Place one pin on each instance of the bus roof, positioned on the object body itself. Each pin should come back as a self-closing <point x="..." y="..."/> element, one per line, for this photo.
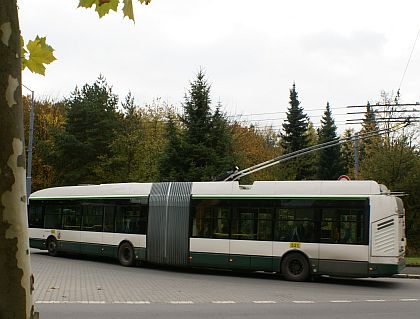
<point x="223" y="189"/>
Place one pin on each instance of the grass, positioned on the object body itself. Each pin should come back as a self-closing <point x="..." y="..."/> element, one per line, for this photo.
<point x="412" y="261"/>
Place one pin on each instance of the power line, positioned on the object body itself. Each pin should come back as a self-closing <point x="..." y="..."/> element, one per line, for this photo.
<point x="234" y="176"/>
<point x="408" y="62"/>
<point x="282" y="112"/>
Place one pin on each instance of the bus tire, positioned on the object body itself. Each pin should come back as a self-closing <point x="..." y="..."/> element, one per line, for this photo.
<point x="295" y="267"/>
<point x="52" y="246"/>
<point x="126" y="254"/>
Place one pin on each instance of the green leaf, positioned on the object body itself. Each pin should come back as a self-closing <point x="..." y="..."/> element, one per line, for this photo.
<point x="86" y="3"/>
<point x="23" y="52"/>
<point x="40" y="53"/>
<point x="128" y="9"/>
<point x="104" y="6"/>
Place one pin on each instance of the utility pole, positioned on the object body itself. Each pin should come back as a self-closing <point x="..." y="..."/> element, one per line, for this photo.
<point x="30" y="145"/>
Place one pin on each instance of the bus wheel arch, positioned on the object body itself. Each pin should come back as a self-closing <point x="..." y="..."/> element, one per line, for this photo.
<point x="126" y="254"/>
<point x="52" y="246"/>
<point x="295" y="266"/>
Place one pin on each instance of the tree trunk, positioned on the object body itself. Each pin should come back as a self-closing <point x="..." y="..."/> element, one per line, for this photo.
<point x="15" y="274"/>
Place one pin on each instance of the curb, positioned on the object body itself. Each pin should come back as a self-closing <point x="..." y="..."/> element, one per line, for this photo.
<point x="410" y="276"/>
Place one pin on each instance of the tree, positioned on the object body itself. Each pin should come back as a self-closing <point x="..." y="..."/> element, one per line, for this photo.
<point x="197" y="121"/>
<point x="252" y="147"/>
<point x="330" y="164"/>
<point x="221" y="142"/>
<point x="92" y="122"/>
<point x="171" y="164"/>
<point x="347" y="154"/>
<point x="15" y="273"/>
<point x="295" y="137"/>
<point x="49" y="119"/>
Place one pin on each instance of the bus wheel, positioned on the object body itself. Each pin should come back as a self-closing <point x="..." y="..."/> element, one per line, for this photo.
<point x="52" y="246"/>
<point x="126" y="254"/>
<point x="294" y="267"/>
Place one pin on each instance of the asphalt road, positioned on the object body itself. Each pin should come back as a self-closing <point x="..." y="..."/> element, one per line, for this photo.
<point x="71" y="287"/>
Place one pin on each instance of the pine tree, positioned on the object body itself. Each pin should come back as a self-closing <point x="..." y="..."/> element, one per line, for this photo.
<point x="92" y="121"/>
<point x="204" y="147"/>
<point x="330" y="162"/>
<point x="370" y="124"/>
<point x="221" y="140"/>
<point x="171" y="164"/>
<point x="295" y="137"/>
<point x="347" y="152"/>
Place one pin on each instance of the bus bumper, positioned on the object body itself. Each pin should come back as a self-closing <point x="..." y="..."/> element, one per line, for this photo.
<point x="386" y="270"/>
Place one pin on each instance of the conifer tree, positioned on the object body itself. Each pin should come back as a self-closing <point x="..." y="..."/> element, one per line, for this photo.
<point x="171" y="165"/>
<point x="221" y="140"/>
<point x="330" y="162"/>
<point x="295" y="137"/>
<point x="370" y="124"/>
<point x="92" y="121"/>
<point x="205" y="143"/>
<point x="347" y="152"/>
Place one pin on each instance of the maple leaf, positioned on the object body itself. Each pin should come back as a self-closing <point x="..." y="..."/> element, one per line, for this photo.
<point x="128" y="9"/>
<point x="40" y="53"/>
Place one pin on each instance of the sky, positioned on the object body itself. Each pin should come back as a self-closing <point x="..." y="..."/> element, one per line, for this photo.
<point x="341" y="52"/>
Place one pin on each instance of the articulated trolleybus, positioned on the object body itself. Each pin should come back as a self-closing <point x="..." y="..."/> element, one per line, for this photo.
<point x="299" y="229"/>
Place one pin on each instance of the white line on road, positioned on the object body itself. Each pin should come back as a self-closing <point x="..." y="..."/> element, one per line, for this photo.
<point x="303" y="301"/>
<point x="186" y="302"/>
<point x="375" y="300"/>
<point x="132" y="302"/>
<point x="408" y="299"/>
<point x="264" y="301"/>
<point x="341" y="301"/>
<point x="223" y="302"/>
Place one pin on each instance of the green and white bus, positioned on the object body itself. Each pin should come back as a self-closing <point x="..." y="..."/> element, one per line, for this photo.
<point x="298" y="228"/>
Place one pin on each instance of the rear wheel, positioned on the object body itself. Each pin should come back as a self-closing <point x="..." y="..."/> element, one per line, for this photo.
<point x="52" y="246"/>
<point x="295" y="267"/>
<point x="126" y="254"/>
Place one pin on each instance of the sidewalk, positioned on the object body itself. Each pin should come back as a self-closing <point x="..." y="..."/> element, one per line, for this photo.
<point x="409" y="272"/>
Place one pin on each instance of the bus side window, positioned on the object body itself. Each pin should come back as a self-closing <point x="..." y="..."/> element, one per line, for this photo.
<point x="53" y="217"/>
<point x="92" y="218"/>
<point x="35" y="217"/>
<point x="109" y="214"/>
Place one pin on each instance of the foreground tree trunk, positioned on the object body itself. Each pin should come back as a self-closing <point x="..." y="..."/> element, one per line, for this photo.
<point x="15" y="274"/>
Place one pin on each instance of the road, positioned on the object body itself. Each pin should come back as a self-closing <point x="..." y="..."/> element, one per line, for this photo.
<point x="70" y="285"/>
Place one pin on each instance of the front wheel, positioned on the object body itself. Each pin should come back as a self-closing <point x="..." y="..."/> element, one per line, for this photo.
<point x="295" y="267"/>
<point x="126" y="254"/>
<point x="52" y="246"/>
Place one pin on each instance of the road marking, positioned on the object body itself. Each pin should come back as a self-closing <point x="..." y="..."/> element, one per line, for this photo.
<point x="408" y="299"/>
<point x="223" y="302"/>
<point x="375" y="300"/>
<point x="340" y="301"/>
<point x="264" y="301"/>
<point x="132" y="302"/>
<point x="187" y="302"/>
<point x="303" y="301"/>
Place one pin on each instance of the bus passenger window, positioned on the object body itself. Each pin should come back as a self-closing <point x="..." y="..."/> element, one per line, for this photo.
<point x="36" y="220"/>
<point x="109" y="219"/>
<point x="92" y="218"/>
<point x="53" y="217"/>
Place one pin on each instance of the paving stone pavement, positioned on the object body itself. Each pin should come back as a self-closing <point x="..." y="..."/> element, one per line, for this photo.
<point x="80" y="280"/>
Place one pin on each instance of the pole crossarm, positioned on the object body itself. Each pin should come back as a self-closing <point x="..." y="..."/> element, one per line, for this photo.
<point x="283" y="158"/>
